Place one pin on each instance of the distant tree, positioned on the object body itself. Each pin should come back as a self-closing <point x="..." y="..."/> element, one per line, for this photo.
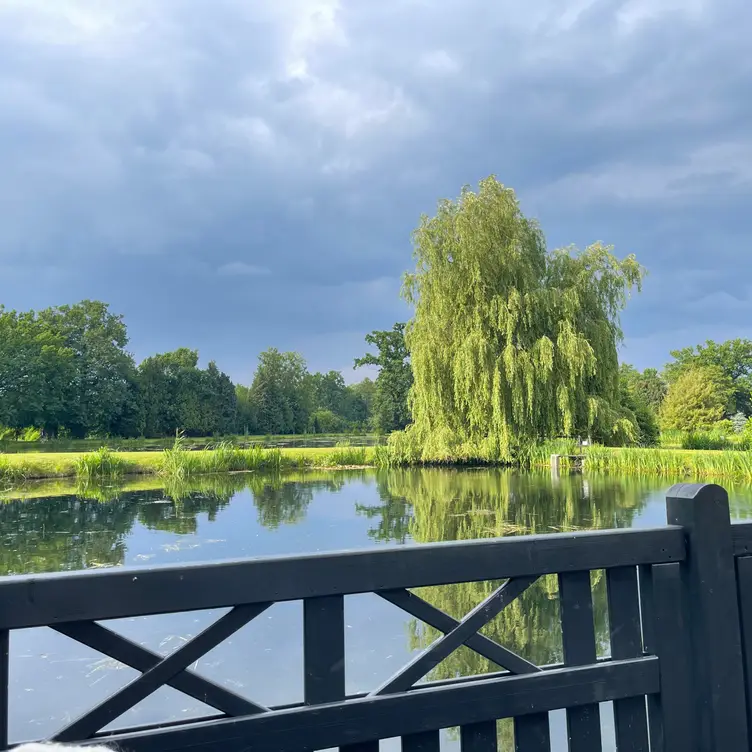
<point x="328" y="392"/>
<point x="359" y="401"/>
<point x="103" y="372"/>
<point x="733" y="358"/>
<point x="326" y="421"/>
<point x="280" y="393"/>
<point x="175" y="394"/>
<point x="697" y="399"/>
<point x="651" y="387"/>
<point x="511" y="343"/>
<point x="36" y="371"/>
<point x="246" y="414"/>
<point x="635" y="400"/>
<point x="390" y="411"/>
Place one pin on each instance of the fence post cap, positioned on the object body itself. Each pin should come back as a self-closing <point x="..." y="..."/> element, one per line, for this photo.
<point x="696" y="491"/>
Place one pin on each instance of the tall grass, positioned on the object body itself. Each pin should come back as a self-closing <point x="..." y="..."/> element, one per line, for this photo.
<point x="675" y="463"/>
<point x="103" y="463"/>
<point x="177" y="461"/>
<point x="14" y="472"/>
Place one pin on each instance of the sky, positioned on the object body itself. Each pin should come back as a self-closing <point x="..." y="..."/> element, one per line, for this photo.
<point x="232" y="175"/>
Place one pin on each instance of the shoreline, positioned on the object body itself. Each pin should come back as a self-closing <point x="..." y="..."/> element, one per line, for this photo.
<point x="179" y="464"/>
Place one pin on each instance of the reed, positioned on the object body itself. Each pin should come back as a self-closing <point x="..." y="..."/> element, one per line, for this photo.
<point x="103" y="463"/>
<point x="676" y="463"/>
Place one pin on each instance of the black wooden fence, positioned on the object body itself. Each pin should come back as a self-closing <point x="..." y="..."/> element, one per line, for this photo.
<point x="680" y="620"/>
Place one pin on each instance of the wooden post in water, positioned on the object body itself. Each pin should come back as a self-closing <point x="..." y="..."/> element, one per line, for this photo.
<point x="709" y="582"/>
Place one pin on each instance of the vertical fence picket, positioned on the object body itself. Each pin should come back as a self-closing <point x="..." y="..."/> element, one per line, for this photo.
<point x="324" y="656"/>
<point x="744" y="594"/>
<point x="478" y="737"/>
<point x="428" y="741"/>
<point x="4" y="686"/>
<point x="672" y="723"/>
<point x="630" y="717"/>
<point x="532" y="733"/>
<point x="578" y="640"/>
<point x="709" y="578"/>
<point x="324" y="649"/>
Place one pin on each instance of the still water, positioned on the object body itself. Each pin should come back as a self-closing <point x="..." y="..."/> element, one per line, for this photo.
<point x="54" y="680"/>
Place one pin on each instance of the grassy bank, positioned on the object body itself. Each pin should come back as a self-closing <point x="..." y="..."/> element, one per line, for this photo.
<point x="178" y="463"/>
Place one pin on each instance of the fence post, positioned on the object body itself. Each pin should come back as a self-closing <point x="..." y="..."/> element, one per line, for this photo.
<point x="709" y="579"/>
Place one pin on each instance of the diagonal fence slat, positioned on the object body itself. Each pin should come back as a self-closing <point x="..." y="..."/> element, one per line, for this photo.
<point x="116" y="646"/>
<point x="113" y="707"/>
<point x="444" y="646"/>
<point x="438" y="619"/>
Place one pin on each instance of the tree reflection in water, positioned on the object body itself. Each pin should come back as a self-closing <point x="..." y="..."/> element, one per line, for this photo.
<point x="454" y="505"/>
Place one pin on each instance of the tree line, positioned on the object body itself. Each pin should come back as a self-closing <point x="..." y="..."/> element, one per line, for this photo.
<point x="510" y="344"/>
<point x="703" y="388"/>
<point x="66" y="371"/>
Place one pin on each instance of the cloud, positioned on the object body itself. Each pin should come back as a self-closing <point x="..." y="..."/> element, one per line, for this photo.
<point x="152" y="152"/>
<point x="241" y="269"/>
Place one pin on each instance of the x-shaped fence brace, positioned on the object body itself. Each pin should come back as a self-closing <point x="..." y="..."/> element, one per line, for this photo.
<point x="157" y="671"/>
<point x="457" y="633"/>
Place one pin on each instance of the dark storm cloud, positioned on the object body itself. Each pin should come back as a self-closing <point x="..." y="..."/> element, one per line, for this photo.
<point x="236" y="175"/>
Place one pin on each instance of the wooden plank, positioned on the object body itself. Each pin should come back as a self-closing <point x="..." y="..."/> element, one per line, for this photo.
<point x="673" y="726"/>
<point x="149" y="682"/>
<point x="4" y="686"/>
<point x="324" y="657"/>
<point x="445" y="623"/>
<point x="427" y="741"/>
<point x="448" y="643"/>
<point x="41" y="600"/>
<point x="478" y="737"/>
<point x="710" y="578"/>
<point x="744" y="594"/>
<point x="324" y="649"/>
<point x="630" y="714"/>
<point x="741" y="538"/>
<point x="578" y="641"/>
<point x="116" y="646"/>
<point x="361" y="720"/>
<point x="532" y="733"/>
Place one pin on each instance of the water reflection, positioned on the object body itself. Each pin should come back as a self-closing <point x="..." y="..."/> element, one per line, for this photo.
<point x="248" y="515"/>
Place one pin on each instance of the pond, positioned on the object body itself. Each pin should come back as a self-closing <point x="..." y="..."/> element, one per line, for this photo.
<point x="53" y="679"/>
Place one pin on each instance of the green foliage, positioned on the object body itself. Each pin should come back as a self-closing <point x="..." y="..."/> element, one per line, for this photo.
<point x="390" y="408"/>
<point x="99" y="396"/>
<point x="637" y="403"/>
<point x="693" y="465"/>
<point x="282" y="402"/>
<point x="719" y="438"/>
<point x="697" y="399"/>
<point x="326" y="421"/>
<point x="104" y="463"/>
<point x="511" y="344"/>
<point x="37" y="370"/>
<point x="733" y="358"/>
<point x="175" y="394"/>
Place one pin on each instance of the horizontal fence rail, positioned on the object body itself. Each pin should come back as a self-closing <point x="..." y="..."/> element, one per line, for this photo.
<point x="42" y="600"/>
<point x="679" y="604"/>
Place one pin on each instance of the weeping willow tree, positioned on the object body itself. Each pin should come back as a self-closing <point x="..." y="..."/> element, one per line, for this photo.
<point x="510" y="343"/>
